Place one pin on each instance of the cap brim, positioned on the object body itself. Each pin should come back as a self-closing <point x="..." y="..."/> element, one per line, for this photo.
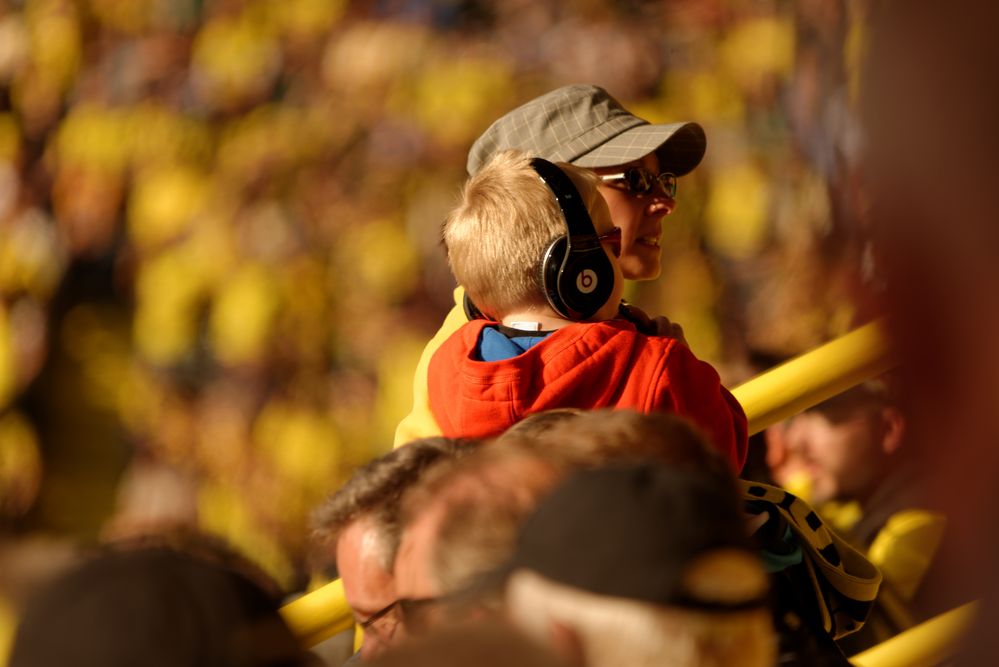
<point x="681" y="147"/>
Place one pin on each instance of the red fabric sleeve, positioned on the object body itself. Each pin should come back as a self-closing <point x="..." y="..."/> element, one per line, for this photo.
<point x="692" y="388"/>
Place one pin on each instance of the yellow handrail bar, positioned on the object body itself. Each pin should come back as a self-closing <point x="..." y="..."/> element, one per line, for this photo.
<point x="926" y="645"/>
<point x="319" y="615"/>
<point x="774" y="395"/>
<point x="814" y="376"/>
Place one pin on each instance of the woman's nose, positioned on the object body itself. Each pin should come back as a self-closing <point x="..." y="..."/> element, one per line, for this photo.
<point x="660" y="203"/>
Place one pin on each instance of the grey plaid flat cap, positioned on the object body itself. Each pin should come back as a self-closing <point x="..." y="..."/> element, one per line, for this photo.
<point x="584" y="125"/>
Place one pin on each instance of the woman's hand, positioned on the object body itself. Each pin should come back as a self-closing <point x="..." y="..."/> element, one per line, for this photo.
<point x="652" y="326"/>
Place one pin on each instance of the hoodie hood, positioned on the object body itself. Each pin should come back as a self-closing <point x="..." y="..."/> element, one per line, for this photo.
<point x="586" y="365"/>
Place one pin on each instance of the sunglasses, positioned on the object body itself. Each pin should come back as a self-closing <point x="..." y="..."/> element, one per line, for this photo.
<point x="613" y="239"/>
<point x="642" y="182"/>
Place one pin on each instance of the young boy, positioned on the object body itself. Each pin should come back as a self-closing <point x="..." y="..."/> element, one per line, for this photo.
<point x="538" y="350"/>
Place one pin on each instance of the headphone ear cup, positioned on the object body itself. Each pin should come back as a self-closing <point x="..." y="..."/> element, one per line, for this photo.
<point x="551" y="265"/>
<point x="577" y="277"/>
<point x="585" y="283"/>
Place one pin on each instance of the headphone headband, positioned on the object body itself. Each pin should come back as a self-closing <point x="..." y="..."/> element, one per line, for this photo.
<point x="577" y="219"/>
<point x="576" y="276"/>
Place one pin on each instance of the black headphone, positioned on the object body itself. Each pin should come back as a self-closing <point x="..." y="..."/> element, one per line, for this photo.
<point x="576" y="275"/>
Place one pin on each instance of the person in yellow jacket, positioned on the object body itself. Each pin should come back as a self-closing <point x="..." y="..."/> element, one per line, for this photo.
<point x="585" y="126"/>
<point x="850" y="453"/>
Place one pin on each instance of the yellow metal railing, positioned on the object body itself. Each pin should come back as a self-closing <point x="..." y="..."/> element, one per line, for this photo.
<point x="772" y="396"/>
<point x="814" y="376"/>
<point x="926" y="645"/>
<point x="319" y="615"/>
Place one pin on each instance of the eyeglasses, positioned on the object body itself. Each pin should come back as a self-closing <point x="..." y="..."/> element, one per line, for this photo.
<point x="380" y="622"/>
<point x="613" y="237"/>
<point x="416" y="614"/>
<point x="420" y="614"/>
<point x="642" y="182"/>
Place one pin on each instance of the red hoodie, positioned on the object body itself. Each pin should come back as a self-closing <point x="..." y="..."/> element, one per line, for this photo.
<point x="591" y="365"/>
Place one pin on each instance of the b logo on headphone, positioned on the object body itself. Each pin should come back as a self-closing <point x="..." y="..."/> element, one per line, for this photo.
<point x="576" y="275"/>
<point x="586" y="281"/>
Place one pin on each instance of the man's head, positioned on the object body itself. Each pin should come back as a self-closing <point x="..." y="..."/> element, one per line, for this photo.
<point x="842" y="448"/>
<point x="359" y="527"/>
<point x="462" y="524"/>
<point x="507" y="218"/>
<point x="368" y="583"/>
<point x="585" y="126"/>
<point x="155" y="606"/>
<point x="641" y="565"/>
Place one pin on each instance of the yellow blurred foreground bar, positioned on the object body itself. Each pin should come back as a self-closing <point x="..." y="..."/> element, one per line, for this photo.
<point x="777" y="394"/>
<point x="926" y="645"/>
<point x="814" y="376"/>
<point x="319" y="615"/>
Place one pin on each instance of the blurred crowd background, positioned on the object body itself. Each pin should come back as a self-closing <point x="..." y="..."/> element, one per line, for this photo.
<point x="219" y="226"/>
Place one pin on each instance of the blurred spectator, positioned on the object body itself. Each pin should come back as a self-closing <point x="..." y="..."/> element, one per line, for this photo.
<point x="460" y="527"/>
<point x="461" y="521"/>
<point x="599" y="578"/>
<point x="823" y="588"/>
<point x="842" y="449"/>
<point x="154" y="606"/>
<point x="359" y="529"/>
<point x="27" y="563"/>
<point x="849" y="454"/>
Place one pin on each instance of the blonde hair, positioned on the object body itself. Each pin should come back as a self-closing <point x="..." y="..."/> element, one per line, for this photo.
<point x="497" y="234"/>
<point x="618" y="631"/>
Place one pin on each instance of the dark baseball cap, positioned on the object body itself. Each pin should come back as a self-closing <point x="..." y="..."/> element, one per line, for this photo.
<point x="584" y="125"/>
<point x="634" y="531"/>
